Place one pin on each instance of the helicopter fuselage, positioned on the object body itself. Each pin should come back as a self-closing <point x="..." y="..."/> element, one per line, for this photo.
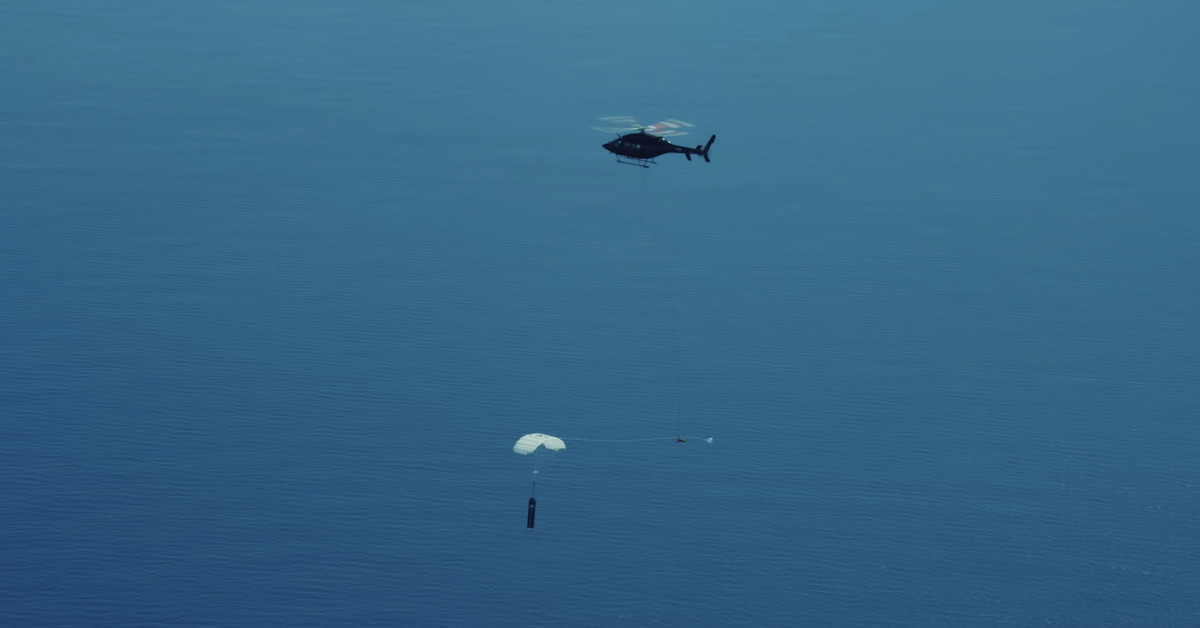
<point x="643" y="147"/>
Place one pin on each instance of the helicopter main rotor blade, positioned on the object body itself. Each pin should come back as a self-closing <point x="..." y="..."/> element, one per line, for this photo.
<point x="669" y="127"/>
<point x="620" y="125"/>
<point x="628" y="124"/>
<point x="620" y="130"/>
<point x="622" y="120"/>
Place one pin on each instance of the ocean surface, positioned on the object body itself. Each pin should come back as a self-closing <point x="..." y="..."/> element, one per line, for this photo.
<point x="282" y="282"/>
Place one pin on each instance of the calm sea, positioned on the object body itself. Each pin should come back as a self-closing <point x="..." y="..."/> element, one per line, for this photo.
<point x="281" y="283"/>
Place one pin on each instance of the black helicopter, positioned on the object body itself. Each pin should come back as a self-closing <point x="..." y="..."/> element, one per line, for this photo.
<point x="647" y="142"/>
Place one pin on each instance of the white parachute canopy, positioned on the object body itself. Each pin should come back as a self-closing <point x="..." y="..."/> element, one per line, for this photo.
<point x="529" y="443"/>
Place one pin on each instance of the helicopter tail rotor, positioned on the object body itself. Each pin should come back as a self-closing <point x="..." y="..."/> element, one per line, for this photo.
<point x="704" y="151"/>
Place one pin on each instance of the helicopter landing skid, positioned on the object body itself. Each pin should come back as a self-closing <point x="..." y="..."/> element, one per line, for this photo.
<point x="645" y="163"/>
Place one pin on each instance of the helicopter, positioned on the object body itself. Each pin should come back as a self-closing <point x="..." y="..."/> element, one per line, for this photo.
<point x="647" y="142"/>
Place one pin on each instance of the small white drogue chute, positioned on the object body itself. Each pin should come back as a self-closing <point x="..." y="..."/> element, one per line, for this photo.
<point x="529" y="443"/>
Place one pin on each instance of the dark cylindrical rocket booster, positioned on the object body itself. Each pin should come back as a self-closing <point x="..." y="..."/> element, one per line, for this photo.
<point x="532" y="511"/>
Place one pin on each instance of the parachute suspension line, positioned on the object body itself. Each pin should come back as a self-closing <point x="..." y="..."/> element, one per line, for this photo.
<point x="665" y="255"/>
<point x="677" y="438"/>
<point x="618" y="440"/>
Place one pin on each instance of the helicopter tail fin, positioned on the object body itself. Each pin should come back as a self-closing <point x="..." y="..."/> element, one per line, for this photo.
<point x="704" y="151"/>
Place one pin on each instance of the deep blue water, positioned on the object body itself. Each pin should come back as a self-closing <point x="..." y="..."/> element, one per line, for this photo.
<point x="282" y="282"/>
